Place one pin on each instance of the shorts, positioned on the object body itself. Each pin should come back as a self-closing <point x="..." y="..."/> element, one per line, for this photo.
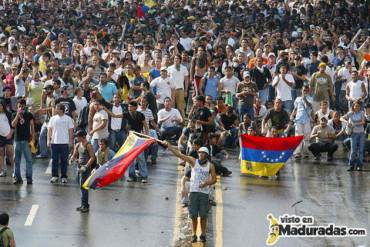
<point x="198" y="204"/>
<point x="4" y="141"/>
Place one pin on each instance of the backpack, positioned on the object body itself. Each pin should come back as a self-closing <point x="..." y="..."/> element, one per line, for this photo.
<point x="2" y="244"/>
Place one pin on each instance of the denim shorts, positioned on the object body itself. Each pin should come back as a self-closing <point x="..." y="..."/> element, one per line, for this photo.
<point x="4" y="142"/>
<point x="198" y="204"/>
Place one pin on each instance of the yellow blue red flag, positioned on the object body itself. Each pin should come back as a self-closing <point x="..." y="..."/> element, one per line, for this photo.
<point x="116" y="167"/>
<point x="265" y="156"/>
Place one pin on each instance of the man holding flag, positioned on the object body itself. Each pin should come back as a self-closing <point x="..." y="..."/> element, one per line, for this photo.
<point x="84" y="153"/>
<point x="203" y="175"/>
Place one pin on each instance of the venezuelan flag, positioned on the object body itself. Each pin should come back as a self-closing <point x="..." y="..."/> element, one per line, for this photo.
<point x="265" y="156"/>
<point x="116" y="167"/>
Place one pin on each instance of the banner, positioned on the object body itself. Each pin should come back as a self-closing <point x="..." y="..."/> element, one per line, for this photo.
<point x="265" y="156"/>
<point x="116" y="167"/>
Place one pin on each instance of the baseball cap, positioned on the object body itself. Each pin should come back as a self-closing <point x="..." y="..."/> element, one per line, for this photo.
<point x="164" y="68"/>
<point x="271" y="54"/>
<point x="204" y="150"/>
<point x="322" y="65"/>
<point x="246" y="73"/>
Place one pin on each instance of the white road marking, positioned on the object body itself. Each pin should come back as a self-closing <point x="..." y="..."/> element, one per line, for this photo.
<point x="31" y="215"/>
<point x="48" y="170"/>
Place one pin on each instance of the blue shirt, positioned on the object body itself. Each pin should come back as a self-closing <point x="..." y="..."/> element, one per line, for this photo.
<point x="303" y="115"/>
<point x="211" y="87"/>
<point x="107" y="91"/>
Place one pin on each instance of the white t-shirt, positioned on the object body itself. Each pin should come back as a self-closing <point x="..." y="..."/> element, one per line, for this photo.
<point x="178" y="77"/>
<point x="186" y="43"/>
<point x="283" y="91"/>
<point x="80" y="104"/>
<point x="4" y="125"/>
<point x="172" y="115"/>
<point x="230" y="84"/>
<point x="116" y="123"/>
<point x="60" y="126"/>
<point x="346" y="75"/>
<point x="20" y="85"/>
<point x="164" y="87"/>
<point x="355" y="89"/>
<point x="97" y="120"/>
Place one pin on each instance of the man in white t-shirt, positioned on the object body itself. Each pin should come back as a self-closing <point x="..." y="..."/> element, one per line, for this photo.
<point x="60" y="134"/>
<point x="355" y="89"/>
<point x="100" y="125"/>
<point x="165" y="87"/>
<point x="283" y="84"/>
<point x="180" y="77"/>
<point x="170" y="121"/>
<point x="229" y="82"/>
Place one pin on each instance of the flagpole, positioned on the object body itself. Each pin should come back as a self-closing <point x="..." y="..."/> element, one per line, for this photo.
<point x="147" y="136"/>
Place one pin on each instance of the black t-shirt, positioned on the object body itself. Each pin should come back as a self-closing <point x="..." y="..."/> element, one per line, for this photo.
<point x="135" y="121"/>
<point x="23" y="131"/>
<point x="68" y="104"/>
<point x="278" y="119"/>
<point x="260" y="77"/>
<point x="203" y="114"/>
<point x="228" y="120"/>
<point x="299" y="70"/>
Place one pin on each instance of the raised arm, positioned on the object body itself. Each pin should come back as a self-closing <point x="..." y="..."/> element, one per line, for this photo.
<point x="179" y="155"/>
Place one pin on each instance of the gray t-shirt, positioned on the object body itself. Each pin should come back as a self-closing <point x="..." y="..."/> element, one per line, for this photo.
<point x="324" y="133"/>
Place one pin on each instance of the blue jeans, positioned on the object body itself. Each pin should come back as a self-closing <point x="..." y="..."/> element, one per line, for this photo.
<point x="245" y="109"/>
<point x="59" y="155"/>
<point x="169" y="132"/>
<point x="288" y="105"/>
<point x="230" y="140"/>
<point x="142" y="167"/>
<point x="22" y="147"/>
<point x="95" y="143"/>
<point x="84" y="193"/>
<point x="272" y="93"/>
<point x="43" y="147"/>
<point x="263" y="95"/>
<point x="296" y="93"/>
<point x="153" y="148"/>
<point x="116" y="139"/>
<point x="357" y="149"/>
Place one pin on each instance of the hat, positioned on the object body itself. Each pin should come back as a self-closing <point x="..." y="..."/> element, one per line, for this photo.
<point x="246" y="74"/>
<point x="322" y="65"/>
<point x="271" y="54"/>
<point x="204" y="150"/>
<point x="48" y="86"/>
<point x="163" y="68"/>
<point x="65" y="88"/>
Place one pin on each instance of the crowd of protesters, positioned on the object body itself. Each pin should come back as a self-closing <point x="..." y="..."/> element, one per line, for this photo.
<point x="195" y="73"/>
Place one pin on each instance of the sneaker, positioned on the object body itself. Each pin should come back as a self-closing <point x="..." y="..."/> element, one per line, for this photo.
<point x="29" y="182"/>
<point x="84" y="209"/>
<point x="212" y="203"/>
<point x="359" y="168"/>
<point x="79" y="208"/>
<point x="144" y="180"/>
<point x="131" y="179"/>
<point x="3" y="174"/>
<point x="54" y="180"/>
<point x="317" y="158"/>
<point x="64" y="180"/>
<point x="194" y="239"/>
<point x="16" y="181"/>
<point x="351" y="168"/>
<point x="297" y="157"/>
<point x="203" y="238"/>
<point x="227" y="174"/>
<point x="41" y="157"/>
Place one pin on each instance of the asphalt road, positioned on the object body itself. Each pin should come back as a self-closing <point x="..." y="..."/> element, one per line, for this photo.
<point x="125" y="214"/>
<point x="134" y="214"/>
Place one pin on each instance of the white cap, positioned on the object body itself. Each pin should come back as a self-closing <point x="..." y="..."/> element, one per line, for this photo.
<point x="164" y="68"/>
<point x="204" y="149"/>
<point x="246" y="73"/>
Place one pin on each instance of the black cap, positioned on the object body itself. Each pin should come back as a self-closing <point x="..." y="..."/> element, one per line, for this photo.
<point x="65" y="88"/>
<point x="80" y="133"/>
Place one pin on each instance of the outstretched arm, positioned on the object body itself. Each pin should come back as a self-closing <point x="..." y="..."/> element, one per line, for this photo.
<point x="178" y="154"/>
